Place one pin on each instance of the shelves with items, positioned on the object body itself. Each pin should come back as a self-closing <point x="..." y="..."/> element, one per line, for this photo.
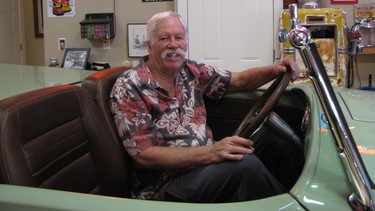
<point x="366" y="50"/>
<point x="98" y="26"/>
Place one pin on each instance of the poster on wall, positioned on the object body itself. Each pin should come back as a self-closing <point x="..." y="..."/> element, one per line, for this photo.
<point x="61" y="8"/>
<point x="155" y="0"/>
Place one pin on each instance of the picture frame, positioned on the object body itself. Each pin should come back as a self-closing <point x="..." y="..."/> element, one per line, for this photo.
<point x="344" y="1"/>
<point x="155" y="0"/>
<point x="137" y="44"/>
<point x="75" y="58"/>
<point x="38" y="18"/>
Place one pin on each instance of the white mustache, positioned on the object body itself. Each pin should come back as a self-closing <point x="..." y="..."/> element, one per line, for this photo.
<point x="178" y="51"/>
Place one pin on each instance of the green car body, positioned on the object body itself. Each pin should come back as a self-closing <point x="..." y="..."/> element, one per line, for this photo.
<point x="323" y="185"/>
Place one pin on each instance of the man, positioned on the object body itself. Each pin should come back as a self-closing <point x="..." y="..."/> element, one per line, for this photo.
<point x="161" y="118"/>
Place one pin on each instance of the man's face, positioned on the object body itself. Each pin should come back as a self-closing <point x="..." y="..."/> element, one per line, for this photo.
<point x="169" y="48"/>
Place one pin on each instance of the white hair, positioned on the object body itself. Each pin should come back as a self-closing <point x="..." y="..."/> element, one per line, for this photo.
<point x="156" y="19"/>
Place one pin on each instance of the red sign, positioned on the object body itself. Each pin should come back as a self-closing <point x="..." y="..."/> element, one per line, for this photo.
<point x="344" y="1"/>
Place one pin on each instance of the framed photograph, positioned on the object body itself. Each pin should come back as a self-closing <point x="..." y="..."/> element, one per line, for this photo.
<point x="137" y="44"/>
<point x="344" y="1"/>
<point x="38" y="18"/>
<point x="61" y="44"/>
<point x="155" y="0"/>
<point x="75" y="58"/>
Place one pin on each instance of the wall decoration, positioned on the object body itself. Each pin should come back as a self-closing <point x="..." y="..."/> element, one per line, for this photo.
<point x="137" y="44"/>
<point x="364" y="11"/>
<point x="75" y="58"/>
<point x="61" y="8"/>
<point x="344" y="1"/>
<point x="38" y="18"/>
<point x="155" y="0"/>
<point x="61" y="44"/>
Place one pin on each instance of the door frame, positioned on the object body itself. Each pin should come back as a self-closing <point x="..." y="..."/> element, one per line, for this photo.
<point x="22" y="31"/>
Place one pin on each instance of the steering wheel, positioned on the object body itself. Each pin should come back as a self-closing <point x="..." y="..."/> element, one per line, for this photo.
<point x="257" y="114"/>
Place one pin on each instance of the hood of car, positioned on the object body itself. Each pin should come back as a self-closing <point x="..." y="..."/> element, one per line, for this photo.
<point x="359" y="109"/>
<point x="360" y="104"/>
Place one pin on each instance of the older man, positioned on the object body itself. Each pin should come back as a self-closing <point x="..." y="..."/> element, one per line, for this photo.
<point x="161" y="118"/>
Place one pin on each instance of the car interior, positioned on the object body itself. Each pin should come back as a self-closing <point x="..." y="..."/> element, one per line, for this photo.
<point x="55" y="138"/>
<point x="64" y="137"/>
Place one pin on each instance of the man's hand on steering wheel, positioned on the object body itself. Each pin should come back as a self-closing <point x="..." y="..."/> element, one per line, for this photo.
<point x="281" y="68"/>
<point x="264" y="106"/>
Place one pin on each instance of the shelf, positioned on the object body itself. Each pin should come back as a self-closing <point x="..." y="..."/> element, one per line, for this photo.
<point x="98" y="26"/>
<point x="366" y="50"/>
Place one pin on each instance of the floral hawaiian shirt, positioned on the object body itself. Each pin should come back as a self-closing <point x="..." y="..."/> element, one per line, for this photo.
<point x="145" y="115"/>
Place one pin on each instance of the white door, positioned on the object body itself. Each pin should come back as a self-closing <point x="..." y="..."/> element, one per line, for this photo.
<point x="10" y="32"/>
<point x="231" y="34"/>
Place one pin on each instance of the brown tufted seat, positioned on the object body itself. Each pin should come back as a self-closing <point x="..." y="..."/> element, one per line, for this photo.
<point x="99" y="85"/>
<point x="55" y="138"/>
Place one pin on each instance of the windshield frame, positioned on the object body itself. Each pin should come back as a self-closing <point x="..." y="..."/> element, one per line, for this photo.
<point x="300" y="38"/>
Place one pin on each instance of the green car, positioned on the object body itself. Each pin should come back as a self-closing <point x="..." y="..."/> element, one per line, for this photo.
<point x="334" y="126"/>
<point x="323" y="185"/>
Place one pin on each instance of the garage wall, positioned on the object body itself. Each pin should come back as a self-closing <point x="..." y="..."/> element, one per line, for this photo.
<point x="129" y="11"/>
<point x="39" y="50"/>
<point x="34" y="46"/>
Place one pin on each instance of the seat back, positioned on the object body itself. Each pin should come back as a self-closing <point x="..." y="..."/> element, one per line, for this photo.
<point x="99" y="85"/>
<point x="55" y="138"/>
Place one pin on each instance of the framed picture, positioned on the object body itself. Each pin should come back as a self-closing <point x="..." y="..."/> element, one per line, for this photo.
<point x="38" y="18"/>
<point x="75" y="58"/>
<point x="61" y="44"/>
<point x="344" y="1"/>
<point x="137" y="44"/>
<point x="155" y="0"/>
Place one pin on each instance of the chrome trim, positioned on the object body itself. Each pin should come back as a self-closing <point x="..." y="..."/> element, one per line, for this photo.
<point x="361" y="198"/>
